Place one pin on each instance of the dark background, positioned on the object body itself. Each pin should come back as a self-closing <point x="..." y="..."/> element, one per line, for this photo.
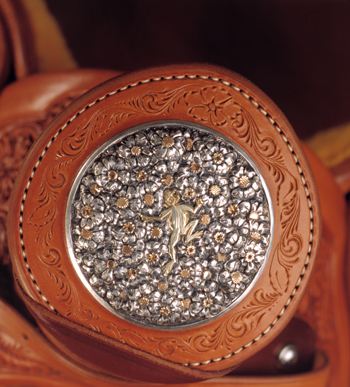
<point x="297" y="52"/>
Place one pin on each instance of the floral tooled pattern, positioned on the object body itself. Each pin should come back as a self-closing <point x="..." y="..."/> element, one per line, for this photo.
<point x="15" y="142"/>
<point x="212" y="104"/>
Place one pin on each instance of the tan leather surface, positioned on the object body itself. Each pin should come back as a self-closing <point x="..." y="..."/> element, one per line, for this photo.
<point x="27" y="358"/>
<point x="270" y="297"/>
<point x="116" y="359"/>
<point x="325" y="306"/>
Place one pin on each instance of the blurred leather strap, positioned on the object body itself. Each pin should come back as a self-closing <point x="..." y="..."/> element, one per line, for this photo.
<point x="332" y="146"/>
<point x="5" y="57"/>
<point x="31" y="40"/>
<point x="20" y="34"/>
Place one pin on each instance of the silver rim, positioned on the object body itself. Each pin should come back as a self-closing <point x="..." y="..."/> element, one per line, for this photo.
<point x="169" y="225"/>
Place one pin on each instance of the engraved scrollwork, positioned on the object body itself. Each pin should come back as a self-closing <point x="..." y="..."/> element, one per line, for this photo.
<point x="290" y="243"/>
<point x="150" y="103"/>
<point x="224" y="336"/>
<point x="45" y="214"/>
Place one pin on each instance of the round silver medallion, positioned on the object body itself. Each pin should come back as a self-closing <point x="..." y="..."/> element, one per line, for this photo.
<point x="169" y="225"/>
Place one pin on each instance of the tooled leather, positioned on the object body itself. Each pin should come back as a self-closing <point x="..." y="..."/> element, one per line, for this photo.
<point x="306" y="262"/>
<point x="18" y="132"/>
<point x="114" y="357"/>
<point x="27" y="358"/>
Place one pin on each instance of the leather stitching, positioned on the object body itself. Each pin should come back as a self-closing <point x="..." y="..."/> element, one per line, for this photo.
<point x="273" y="122"/>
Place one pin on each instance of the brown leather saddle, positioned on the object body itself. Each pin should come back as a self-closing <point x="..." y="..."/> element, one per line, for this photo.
<point x="167" y="226"/>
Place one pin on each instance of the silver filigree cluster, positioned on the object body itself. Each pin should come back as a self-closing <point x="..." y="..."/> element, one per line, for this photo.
<point x="170" y="225"/>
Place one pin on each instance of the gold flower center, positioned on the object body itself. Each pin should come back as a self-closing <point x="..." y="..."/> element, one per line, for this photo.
<point x="249" y="256"/>
<point x="218" y="158"/>
<point x="244" y="181"/>
<point x="122" y="294"/>
<point x="162" y="286"/>
<point x="86" y="212"/>
<point x="148" y="199"/>
<point x="167" y="180"/>
<point x="86" y="234"/>
<point x="212" y="107"/>
<point x="95" y="189"/>
<point x="195" y="167"/>
<point x="127" y="250"/>
<point x="233" y="210"/>
<point x="164" y="311"/>
<point x="255" y="235"/>
<point x="156" y="232"/>
<point x="214" y="190"/>
<point x="191" y="250"/>
<point x="111" y="264"/>
<point x="237" y="277"/>
<point x="207" y="302"/>
<point x="184" y="273"/>
<point x="122" y="202"/>
<point x="185" y="304"/>
<point x="221" y="257"/>
<point x="219" y="237"/>
<point x="152" y="258"/>
<point x="204" y="219"/>
<point x="143" y="301"/>
<point x="129" y="227"/>
<point x="132" y="274"/>
<point x="112" y="175"/>
<point x="168" y="142"/>
<point x="136" y="150"/>
<point x="141" y="175"/>
<point x="188" y="144"/>
<point x="189" y="193"/>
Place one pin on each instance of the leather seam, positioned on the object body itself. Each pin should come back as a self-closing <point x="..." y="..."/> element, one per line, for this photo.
<point x="272" y="121"/>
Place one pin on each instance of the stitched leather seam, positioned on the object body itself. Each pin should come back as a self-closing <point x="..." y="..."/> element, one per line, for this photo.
<point x="272" y="121"/>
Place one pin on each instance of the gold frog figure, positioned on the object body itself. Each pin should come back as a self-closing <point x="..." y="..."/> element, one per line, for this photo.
<point x="177" y="216"/>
